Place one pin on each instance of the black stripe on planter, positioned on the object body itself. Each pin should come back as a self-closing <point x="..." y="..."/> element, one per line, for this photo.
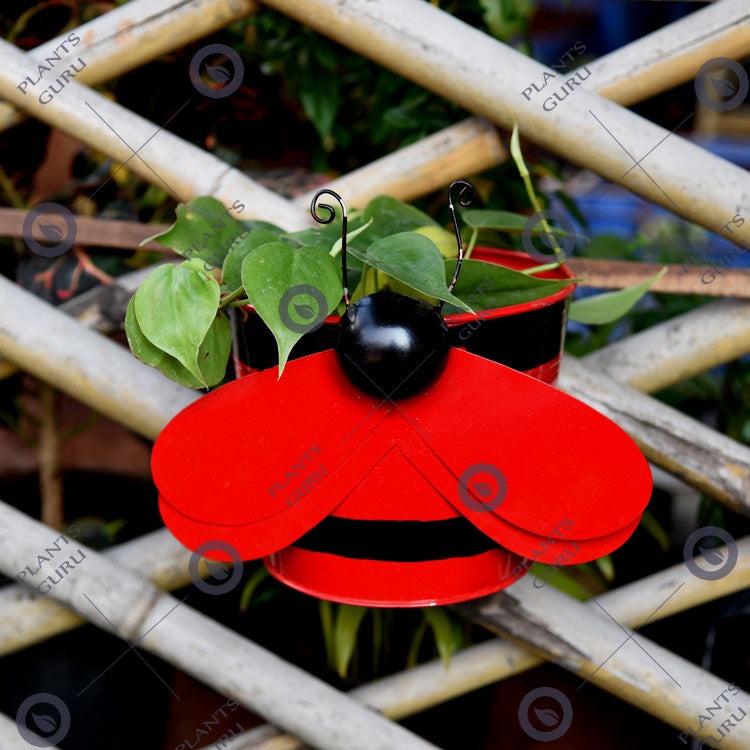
<point x="521" y="341"/>
<point x="396" y="541"/>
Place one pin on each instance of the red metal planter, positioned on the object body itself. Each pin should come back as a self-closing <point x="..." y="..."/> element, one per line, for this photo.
<point x="420" y="533"/>
<point x="376" y="521"/>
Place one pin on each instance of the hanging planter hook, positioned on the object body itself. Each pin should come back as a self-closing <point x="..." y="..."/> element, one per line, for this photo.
<point x="314" y="206"/>
<point x="464" y="200"/>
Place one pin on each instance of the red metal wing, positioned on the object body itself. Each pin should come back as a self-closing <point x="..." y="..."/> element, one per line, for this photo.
<point x="260" y="462"/>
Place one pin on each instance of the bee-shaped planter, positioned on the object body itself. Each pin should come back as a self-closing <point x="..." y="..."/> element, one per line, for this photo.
<point x="396" y="469"/>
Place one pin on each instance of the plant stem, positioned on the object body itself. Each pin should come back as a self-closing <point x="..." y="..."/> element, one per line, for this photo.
<point x="231" y="297"/>
<point x="239" y="303"/>
<point x="539" y="269"/>
<point x="523" y="170"/>
<point x="472" y="242"/>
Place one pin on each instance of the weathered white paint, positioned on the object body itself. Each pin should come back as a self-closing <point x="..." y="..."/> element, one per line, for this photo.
<point x="162" y="158"/>
<point x="105" y="592"/>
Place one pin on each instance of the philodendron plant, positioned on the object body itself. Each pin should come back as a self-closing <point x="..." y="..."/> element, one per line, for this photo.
<point x="177" y="319"/>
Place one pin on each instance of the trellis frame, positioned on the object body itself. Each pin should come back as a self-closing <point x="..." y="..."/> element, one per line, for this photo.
<point x="75" y="377"/>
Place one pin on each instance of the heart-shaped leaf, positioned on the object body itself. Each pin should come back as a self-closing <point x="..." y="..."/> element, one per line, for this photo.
<point x="218" y="73"/>
<point x="547" y="716"/>
<point x="175" y="307"/>
<point x="269" y="272"/>
<point x="216" y="345"/>
<point x="46" y="723"/>
<point x="413" y="259"/>
<point x="51" y="233"/>
<point x="231" y="275"/>
<point x="607" y="307"/>
<point x="487" y="286"/>
<point x="205" y="229"/>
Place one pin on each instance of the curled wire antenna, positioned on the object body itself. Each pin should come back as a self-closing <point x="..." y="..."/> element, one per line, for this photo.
<point x="466" y="196"/>
<point x="314" y="206"/>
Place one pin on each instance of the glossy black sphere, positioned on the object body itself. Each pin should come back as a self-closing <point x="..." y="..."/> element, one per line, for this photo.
<point x="392" y="345"/>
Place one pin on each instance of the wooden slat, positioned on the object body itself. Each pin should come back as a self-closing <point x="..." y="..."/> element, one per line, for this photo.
<point x="439" y="52"/>
<point x="710" y="281"/>
<point x="133" y="34"/>
<point x="120" y="602"/>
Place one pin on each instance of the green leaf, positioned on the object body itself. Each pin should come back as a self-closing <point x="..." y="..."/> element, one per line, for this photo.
<point x="252" y="584"/>
<point x="412" y="657"/>
<point x="214" y="350"/>
<point x="144" y="350"/>
<point x="319" y="96"/>
<point x="348" y="621"/>
<point x="560" y="580"/>
<point x="231" y="275"/>
<point x="479" y="218"/>
<point x="486" y="286"/>
<point x="336" y="249"/>
<point x="655" y="529"/>
<point x="413" y="259"/>
<point x="275" y="267"/>
<point x="391" y="216"/>
<point x="606" y="567"/>
<point x="325" y="608"/>
<point x="204" y="229"/>
<point x="607" y="307"/>
<point x="442" y="630"/>
<point x="175" y="307"/>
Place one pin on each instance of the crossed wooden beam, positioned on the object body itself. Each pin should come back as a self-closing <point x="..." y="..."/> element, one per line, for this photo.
<point x="108" y="378"/>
